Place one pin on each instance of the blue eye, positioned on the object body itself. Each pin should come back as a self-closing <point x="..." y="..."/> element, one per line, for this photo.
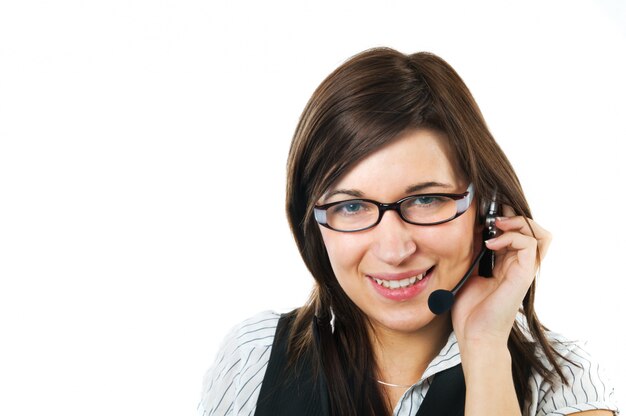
<point x="426" y="200"/>
<point x="350" y="208"/>
<point x="353" y="207"/>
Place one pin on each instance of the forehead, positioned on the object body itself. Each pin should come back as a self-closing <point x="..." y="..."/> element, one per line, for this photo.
<point x="417" y="156"/>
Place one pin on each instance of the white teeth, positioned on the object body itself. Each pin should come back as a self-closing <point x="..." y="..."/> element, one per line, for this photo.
<point x="397" y="284"/>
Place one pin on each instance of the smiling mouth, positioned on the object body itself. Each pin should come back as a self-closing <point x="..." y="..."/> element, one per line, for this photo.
<point x="403" y="283"/>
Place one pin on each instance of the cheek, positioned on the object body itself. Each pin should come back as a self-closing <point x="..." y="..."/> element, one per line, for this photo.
<point x="445" y="247"/>
<point x="452" y="243"/>
<point x="345" y="251"/>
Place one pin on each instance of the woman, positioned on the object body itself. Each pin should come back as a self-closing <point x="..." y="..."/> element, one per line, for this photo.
<point x="394" y="132"/>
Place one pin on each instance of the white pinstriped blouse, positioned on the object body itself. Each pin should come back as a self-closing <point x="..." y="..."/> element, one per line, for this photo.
<point x="231" y="386"/>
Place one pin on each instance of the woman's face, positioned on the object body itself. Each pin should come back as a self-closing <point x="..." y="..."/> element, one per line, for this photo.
<point x="395" y="250"/>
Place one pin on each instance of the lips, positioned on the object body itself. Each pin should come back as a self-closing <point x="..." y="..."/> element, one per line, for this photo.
<point x="397" y="284"/>
<point x="401" y="286"/>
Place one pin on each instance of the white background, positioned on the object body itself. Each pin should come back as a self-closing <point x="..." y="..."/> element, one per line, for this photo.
<point x="142" y="163"/>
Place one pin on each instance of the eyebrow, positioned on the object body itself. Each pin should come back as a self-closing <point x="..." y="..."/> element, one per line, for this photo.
<point x="411" y="189"/>
<point x="425" y="185"/>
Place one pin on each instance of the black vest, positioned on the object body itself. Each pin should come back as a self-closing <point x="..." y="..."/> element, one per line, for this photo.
<point x="293" y="391"/>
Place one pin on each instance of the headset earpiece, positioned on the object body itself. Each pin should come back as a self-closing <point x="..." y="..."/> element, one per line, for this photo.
<point x="489" y="211"/>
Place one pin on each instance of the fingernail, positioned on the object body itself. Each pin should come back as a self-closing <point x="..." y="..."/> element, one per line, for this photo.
<point x="488" y="242"/>
<point x="502" y="218"/>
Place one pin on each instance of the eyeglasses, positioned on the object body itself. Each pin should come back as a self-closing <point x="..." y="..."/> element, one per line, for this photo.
<point x="361" y="214"/>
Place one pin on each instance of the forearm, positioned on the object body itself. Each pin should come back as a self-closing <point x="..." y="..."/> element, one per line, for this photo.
<point x="489" y="382"/>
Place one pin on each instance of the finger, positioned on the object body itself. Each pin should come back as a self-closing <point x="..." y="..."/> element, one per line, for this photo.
<point x="524" y="245"/>
<point x="523" y="225"/>
<point x="527" y="227"/>
<point x="512" y="239"/>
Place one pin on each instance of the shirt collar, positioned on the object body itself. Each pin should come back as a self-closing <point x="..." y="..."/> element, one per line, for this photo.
<point x="448" y="357"/>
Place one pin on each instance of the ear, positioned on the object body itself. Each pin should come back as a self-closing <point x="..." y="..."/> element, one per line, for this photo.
<point x="479" y="228"/>
<point x="488" y="206"/>
<point x="488" y="209"/>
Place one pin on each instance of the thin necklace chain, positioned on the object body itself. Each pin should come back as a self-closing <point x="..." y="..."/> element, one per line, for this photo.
<point x="404" y="386"/>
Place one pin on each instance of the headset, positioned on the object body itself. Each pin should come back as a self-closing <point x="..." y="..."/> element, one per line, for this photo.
<point x="441" y="300"/>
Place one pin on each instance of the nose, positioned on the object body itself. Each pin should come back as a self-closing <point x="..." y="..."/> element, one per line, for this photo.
<point x="394" y="240"/>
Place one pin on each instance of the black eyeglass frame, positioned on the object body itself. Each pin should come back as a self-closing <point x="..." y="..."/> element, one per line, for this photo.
<point x="463" y="202"/>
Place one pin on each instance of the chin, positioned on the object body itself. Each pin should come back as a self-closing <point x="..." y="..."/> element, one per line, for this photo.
<point x="413" y="320"/>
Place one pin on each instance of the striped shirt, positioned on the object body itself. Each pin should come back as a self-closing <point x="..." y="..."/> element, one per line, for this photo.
<point x="231" y="386"/>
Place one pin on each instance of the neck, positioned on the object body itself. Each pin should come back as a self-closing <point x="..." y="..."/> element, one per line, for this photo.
<point x="402" y="357"/>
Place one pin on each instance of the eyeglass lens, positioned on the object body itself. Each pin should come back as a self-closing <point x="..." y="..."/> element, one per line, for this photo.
<point x="422" y="209"/>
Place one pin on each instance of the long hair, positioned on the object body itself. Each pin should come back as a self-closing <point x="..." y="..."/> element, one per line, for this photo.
<point x="365" y="103"/>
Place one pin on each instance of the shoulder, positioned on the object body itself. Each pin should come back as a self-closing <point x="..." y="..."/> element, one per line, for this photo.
<point x="231" y="386"/>
<point x="587" y="386"/>
<point x="254" y="332"/>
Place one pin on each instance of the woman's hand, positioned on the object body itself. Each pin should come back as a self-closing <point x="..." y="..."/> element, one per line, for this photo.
<point x="485" y="309"/>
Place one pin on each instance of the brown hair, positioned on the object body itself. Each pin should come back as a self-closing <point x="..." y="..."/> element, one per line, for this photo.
<point x="365" y="103"/>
